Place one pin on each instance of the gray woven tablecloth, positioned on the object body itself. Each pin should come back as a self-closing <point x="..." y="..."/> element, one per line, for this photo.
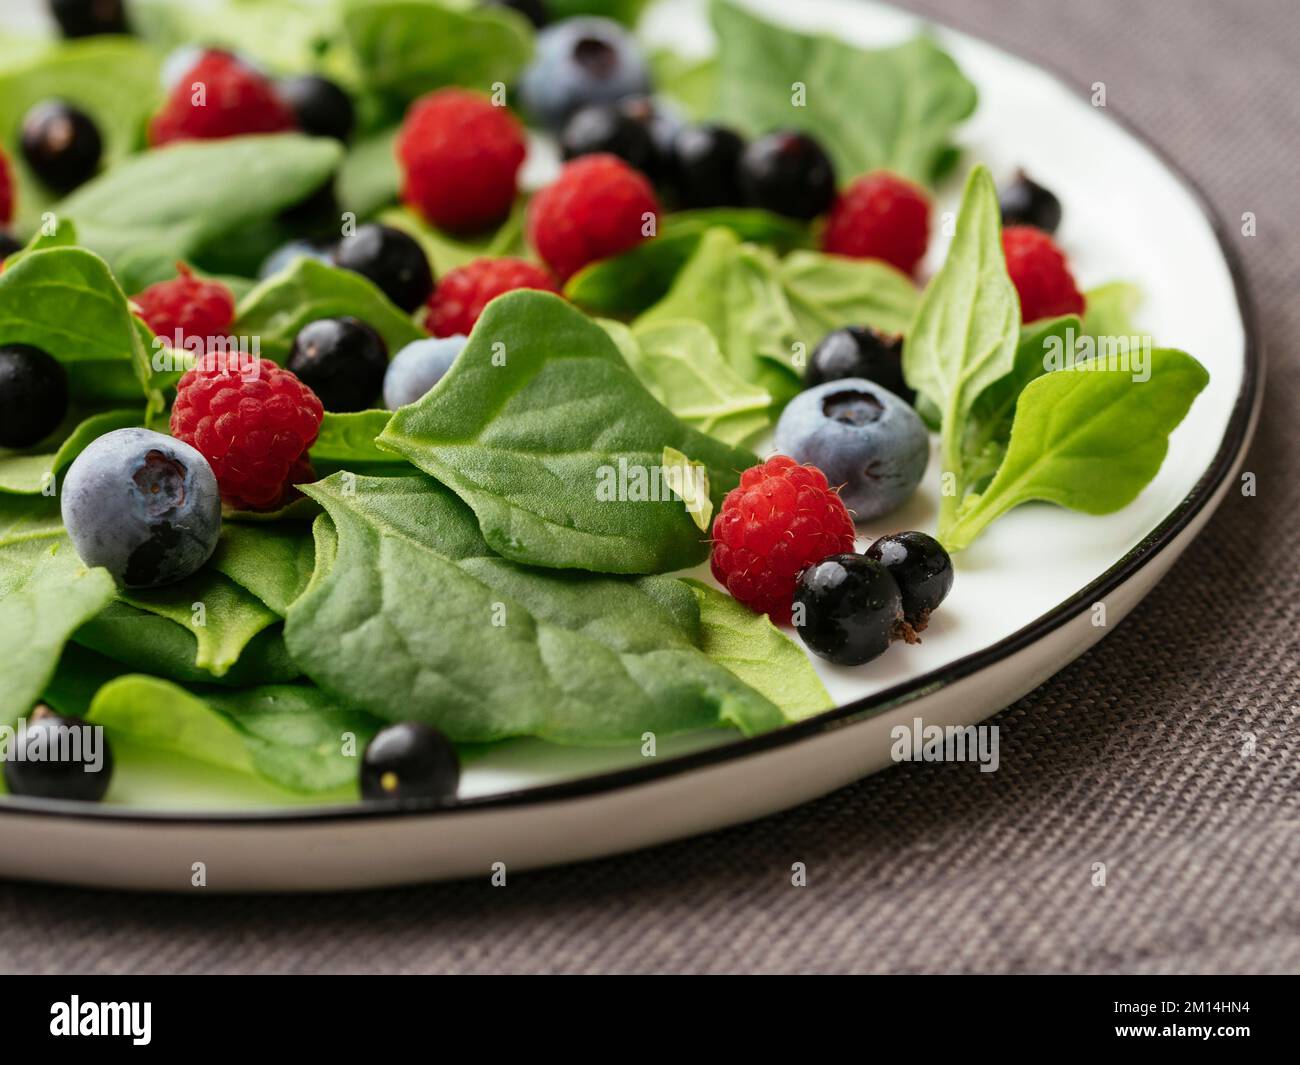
<point x="1131" y="757"/>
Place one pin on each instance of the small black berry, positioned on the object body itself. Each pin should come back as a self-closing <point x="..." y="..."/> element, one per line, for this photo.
<point x="85" y="18"/>
<point x="607" y="128"/>
<point x="847" y="609"/>
<point x="1026" y="203"/>
<point x="410" y="760"/>
<point x="535" y="11"/>
<point x="392" y="260"/>
<point x="33" y="395"/>
<point x="342" y="360"/>
<point x="8" y="245"/>
<point x="789" y="174"/>
<point x="855" y="351"/>
<point x="922" y="570"/>
<point x="61" y="144"/>
<point x="59" y="757"/>
<point x="706" y="165"/>
<point x="320" y="106"/>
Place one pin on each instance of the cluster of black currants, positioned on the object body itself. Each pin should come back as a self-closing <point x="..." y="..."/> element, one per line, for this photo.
<point x="707" y="165"/>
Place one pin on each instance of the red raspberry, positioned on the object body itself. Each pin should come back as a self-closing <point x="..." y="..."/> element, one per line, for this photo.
<point x="253" y="422"/>
<point x="880" y="216"/>
<point x="462" y="294"/>
<point x="1040" y="273"/>
<point x="6" y="191"/>
<point x="460" y="159"/>
<point x="235" y="99"/>
<point x="783" y="518"/>
<point x="596" y="208"/>
<point x="188" y="305"/>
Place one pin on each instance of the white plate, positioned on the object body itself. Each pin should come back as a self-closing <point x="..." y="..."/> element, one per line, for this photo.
<point x="1021" y="608"/>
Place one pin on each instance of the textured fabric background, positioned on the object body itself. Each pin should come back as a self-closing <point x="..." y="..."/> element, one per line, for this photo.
<point x="1131" y="757"/>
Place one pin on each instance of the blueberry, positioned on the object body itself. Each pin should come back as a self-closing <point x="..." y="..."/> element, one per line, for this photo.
<point x="8" y="245"/>
<point x="144" y="506"/>
<point x="342" y="360"/>
<point x="580" y="61"/>
<point x="57" y="757"/>
<point x="392" y="260"/>
<point x="85" y="18"/>
<point x="33" y="395"/>
<point x="287" y="254"/>
<point x="863" y="437"/>
<point x="705" y="166"/>
<point x="61" y="144"/>
<point x="607" y="128"/>
<point x="320" y="106"/>
<point x="410" y="760"/>
<point x="535" y="11"/>
<point x="847" y="609"/>
<point x="922" y="570"/>
<point x="855" y="351"/>
<point x="418" y="367"/>
<point x="789" y="174"/>
<point x="1026" y="203"/>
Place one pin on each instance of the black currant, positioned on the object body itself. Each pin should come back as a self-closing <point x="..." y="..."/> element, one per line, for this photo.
<point x="85" y="18"/>
<point x="922" y="570"/>
<point x="59" y="757"/>
<point x="410" y="760"/>
<point x="608" y="128"/>
<point x="855" y="351"/>
<point x="392" y="260"/>
<point x="61" y="144"/>
<point x="788" y="173"/>
<point x="706" y="166"/>
<point x="847" y="609"/>
<point x="320" y="106"/>
<point x="1026" y="203"/>
<point x="342" y="360"/>
<point x="33" y="395"/>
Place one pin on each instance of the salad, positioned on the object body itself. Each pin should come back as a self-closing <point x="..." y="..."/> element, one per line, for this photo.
<point x="343" y="430"/>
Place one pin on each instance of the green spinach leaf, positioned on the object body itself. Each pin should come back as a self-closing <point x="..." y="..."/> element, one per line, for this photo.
<point x="679" y="362"/>
<point x="33" y="470"/>
<point x="404" y="48"/>
<point x="759" y="654"/>
<point x="347" y="441"/>
<point x="166" y="204"/>
<point x="827" y="292"/>
<point x="292" y="734"/>
<point x="1089" y="438"/>
<point x="630" y="283"/>
<point x="966" y="331"/>
<point x="369" y="178"/>
<point x="486" y="649"/>
<point x="893" y="108"/>
<point x="544" y="430"/>
<point x="273" y="561"/>
<point x="65" y="301"/>
<point x="45" y="595"/>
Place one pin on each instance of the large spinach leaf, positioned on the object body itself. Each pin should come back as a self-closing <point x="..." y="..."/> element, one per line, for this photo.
<point x="292" y="734"/>
<point x="167" y="204"/>
<point x="404" y="48"/>
<point x="45" y="594"/>
<point x="1089" y="438"/>
<point x="545" y="431"/>
<point x="410" y="615"/>
<point x="893" y="108"/>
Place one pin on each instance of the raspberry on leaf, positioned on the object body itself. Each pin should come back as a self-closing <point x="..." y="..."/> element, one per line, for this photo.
<point x="782" y="518"/>
<point x="462" y="293"/>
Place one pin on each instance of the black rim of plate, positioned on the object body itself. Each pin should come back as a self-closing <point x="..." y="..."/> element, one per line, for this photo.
<point x="1235" y="439"/>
